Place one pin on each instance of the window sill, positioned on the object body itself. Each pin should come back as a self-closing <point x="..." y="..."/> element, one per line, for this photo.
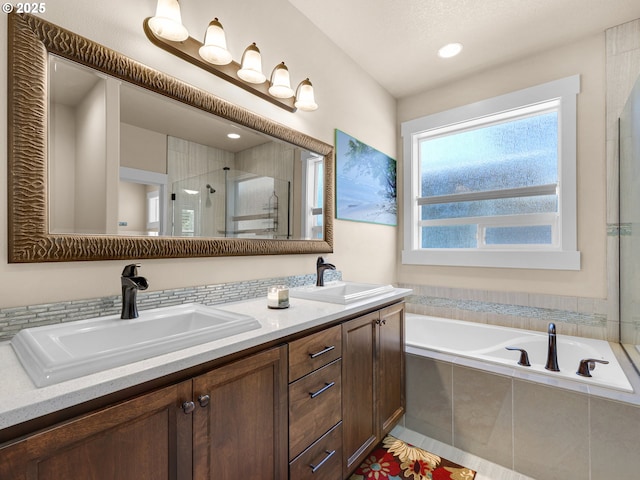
<point x="532" y="259"/>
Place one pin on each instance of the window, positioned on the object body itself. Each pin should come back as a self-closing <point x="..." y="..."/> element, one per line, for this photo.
<point x="493" y="183"/>
<point x="153" y="210"/>
<point x="313" y="168"/>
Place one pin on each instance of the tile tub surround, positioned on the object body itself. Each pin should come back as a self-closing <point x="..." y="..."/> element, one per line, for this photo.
<point x="533" y="429"/>
<point x="576" y="316"/>
<point x="15" y="319"/>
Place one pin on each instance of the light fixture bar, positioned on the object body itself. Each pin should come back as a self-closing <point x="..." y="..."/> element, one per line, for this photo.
<point x="189" y="50"/>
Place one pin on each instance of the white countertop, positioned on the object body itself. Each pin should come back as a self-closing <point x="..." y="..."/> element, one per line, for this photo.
<point x="21" y="400"/>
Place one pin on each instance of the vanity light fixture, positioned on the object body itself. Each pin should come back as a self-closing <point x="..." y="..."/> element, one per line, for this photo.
<point x="305" y="100"/>
<point x="251" y="65"/>
<point x="214" y="49"/>
<point x="165" y="30"/>
<point x="167" y="23"/>
<point x="280" y="82"/>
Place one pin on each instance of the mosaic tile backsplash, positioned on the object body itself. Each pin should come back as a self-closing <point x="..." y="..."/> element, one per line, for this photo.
<point x="585" y="317"/>
<point x="13" y="320"/>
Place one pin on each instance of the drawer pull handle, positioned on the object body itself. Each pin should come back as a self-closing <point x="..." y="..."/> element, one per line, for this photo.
<point x="188" y="407"/>
<point x="314" y="468"/>
<point x="322" y="352"/>
<point x="204" y="400"/>
<point x="326" y="387"/>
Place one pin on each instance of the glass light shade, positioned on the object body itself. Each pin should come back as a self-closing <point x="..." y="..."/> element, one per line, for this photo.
<point x="214" y="49"/>
<point x="251" y="65"/>
<point x="280" y="82"/>
<point x="305" y="100"/>
<point x="167" y="23"/>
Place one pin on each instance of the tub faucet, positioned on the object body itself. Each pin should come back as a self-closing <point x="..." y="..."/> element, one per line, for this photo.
<point x="131" y="283"/>
<point x="321" y="266"/>
<point x="552" y="353"/>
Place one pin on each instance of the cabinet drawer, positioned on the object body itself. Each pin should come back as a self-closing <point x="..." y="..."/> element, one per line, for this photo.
<point x="314" y="351"/>
<point x="322" y="460"/>
<point x="314" y="406"/>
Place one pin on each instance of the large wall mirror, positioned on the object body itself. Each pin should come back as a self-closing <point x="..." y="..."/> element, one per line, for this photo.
<point x="109" y="159"/>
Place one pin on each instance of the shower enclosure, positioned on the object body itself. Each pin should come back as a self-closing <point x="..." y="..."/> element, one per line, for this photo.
<point x="231" y="203"/>
<point x="629" y="148"/>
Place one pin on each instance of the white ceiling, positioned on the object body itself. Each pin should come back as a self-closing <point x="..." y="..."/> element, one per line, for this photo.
<point x="396" y="41"/>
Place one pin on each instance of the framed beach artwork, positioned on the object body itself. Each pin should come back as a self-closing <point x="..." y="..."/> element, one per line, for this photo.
<point x="365" y="182"/>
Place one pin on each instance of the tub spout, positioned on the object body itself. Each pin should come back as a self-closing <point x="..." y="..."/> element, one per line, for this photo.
<point x="552" y="352"/>
<point x="131" y="283"/>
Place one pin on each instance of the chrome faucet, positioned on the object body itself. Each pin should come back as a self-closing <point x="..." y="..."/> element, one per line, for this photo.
<point x="131" y="283"/>
<point x="552" y="353"/>
<point x="321" y="266"/>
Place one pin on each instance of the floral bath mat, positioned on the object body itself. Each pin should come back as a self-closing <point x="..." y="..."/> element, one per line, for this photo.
<point x="394" y="459"/>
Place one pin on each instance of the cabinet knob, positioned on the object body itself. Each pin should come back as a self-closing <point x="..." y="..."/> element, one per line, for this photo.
<point x="188" y="407"/>
<point x="203" y="400"/>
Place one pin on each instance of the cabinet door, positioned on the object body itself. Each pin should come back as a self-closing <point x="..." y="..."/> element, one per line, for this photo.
<point x="391" y="368"/>
<point x="241" y="431"/>
<point x="148" y="437"/>
<point x="358" y="388"/>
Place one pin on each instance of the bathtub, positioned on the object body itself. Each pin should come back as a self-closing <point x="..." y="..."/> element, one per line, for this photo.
<point x="484" y="345"/>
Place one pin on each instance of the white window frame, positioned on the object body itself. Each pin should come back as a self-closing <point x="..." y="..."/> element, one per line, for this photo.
<point x="310" y="212"/>
<point x="563" y="253"/>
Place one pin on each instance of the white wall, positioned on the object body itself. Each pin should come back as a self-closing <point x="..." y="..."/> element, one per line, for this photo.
<point x="62" y="142"/>
<point x="348" y="99"/>
<point x="142" y="149"/>
<point x="91" y="162"/>
<point x="587" y="58"/>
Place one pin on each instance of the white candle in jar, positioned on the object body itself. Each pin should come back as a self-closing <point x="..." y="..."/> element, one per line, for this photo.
<point x="278" y="296"/>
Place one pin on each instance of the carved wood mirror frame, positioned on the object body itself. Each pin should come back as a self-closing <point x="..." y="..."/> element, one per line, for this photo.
<point x="31" y="39"/>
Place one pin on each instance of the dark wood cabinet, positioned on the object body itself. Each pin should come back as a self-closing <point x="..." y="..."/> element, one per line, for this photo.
<point x="241" y="431"/>
<point x="390" y="370"/>
<point x="373" y="381"/>
<point x="359" y="382"/>
<point x="315" y="399"/>
<point x="148" y="437"/>
<point x="311" y="409"/>
<point x="228" y="423"/>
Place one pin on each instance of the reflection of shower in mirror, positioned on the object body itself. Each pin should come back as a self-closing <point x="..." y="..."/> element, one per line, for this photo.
<point x="210" y="190"/>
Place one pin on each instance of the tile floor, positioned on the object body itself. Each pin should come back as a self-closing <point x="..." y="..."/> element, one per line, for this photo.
<point x="485" y="469"/>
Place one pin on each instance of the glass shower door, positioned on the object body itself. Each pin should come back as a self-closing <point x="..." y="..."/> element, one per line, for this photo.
<point x="629" y="146"/>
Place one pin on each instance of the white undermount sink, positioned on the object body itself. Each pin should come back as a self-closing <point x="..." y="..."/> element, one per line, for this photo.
<point x="53" y="353"/>
<point x="340" y="292"/>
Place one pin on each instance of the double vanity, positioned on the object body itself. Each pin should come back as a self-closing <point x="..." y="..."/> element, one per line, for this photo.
<point x="235" y="391"/>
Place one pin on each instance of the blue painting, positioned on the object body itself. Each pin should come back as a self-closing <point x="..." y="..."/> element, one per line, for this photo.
<point x="365" y="182"/>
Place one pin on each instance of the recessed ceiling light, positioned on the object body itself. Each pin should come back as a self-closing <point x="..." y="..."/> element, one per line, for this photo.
<point x="450" y="50"/>
<point x="233" y="135"/>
